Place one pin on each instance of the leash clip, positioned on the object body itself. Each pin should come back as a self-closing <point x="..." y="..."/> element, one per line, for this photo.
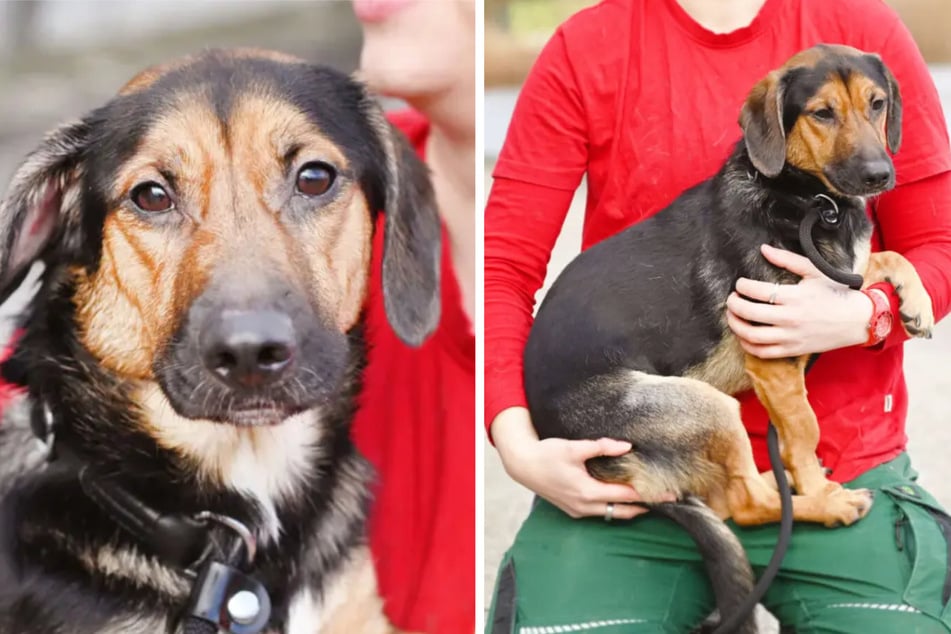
<point x="829" y="217"/>
<point x="245" y="536"/>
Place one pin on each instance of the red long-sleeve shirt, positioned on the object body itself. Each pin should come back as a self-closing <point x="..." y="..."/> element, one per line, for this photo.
<point x="416" y="424"/>
<point x="644" y="102"/>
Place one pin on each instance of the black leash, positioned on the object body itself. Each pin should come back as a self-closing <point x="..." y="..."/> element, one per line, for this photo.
<point x="225" y="596"/>
<point x="829" y="218"/>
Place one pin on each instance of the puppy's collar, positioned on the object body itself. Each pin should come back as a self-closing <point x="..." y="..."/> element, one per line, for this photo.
<point x="222" y="592"/>
<point x="177" y="539"/>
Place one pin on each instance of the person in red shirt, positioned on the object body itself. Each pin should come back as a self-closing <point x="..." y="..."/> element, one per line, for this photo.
<point x="417" y="409"/>
<point x="642" y="98"/>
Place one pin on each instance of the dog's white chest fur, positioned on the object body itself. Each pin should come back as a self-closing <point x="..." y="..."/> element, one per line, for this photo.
<point x="266" y="464"/>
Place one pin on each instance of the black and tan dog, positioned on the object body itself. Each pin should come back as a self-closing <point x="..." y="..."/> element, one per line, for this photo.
<point x="195" y="347"/>
<point x="631" y="341"/>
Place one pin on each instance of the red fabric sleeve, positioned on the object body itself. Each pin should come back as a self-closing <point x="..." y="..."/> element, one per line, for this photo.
<point x="916" y="222"/>
<point x="540" y="166"/>
<point x="914" y="219"/>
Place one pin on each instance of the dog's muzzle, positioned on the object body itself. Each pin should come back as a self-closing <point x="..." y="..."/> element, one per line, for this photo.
<point x="255" y="359"/>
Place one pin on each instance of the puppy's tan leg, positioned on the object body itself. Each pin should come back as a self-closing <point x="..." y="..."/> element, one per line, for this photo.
<point x="770" y="479"/>
<point x="781" y="387"/>
<point x="916" y="311"/>
<point x="708" y="454"/>
<point x="752" y="500"/>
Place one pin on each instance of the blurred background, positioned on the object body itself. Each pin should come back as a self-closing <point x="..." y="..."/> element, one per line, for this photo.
<point x="515" y="31"/>
<point x="60" y="58"/>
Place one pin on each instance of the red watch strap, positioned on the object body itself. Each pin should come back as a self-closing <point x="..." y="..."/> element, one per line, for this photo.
<point x="880" y="323"/>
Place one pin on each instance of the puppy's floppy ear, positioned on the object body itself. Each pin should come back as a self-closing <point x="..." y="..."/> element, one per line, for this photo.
<point x="762" y="121"/>
<point x="41" y="207"/>
<point x="893" y="114"/>
<point x="411" y="241"/>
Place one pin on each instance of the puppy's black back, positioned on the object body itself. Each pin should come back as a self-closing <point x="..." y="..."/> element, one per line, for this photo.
<point x="634" y="300"/>
<point x="652" y="297"/>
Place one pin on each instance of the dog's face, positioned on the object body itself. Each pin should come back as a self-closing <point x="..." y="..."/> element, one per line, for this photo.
<point x="831" y="111"/>
<point x="216" y="219"/>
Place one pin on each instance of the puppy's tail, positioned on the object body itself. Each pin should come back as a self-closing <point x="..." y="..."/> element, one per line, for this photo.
<point x="727" y="565"/>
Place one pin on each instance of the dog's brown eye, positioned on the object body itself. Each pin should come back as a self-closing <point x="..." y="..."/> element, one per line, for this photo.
<point x="315" y="179"/>
<point x="151" y="197"/>
<point x="877" y="104"/>
<point x="824" y="114"/>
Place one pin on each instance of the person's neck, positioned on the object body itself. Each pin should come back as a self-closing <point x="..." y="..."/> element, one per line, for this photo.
<point x="450" y="154"/>
<point x="722" y="16"/>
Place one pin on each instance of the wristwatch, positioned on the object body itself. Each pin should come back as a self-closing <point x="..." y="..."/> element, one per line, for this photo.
<point x="880" y="323"/>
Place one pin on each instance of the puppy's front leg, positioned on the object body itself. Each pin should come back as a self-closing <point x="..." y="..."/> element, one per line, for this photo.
<point x="781" y="387"/>
<point x="916" y="312"/>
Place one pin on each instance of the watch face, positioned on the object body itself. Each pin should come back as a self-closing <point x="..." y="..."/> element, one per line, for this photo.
<point x="883" y="325"/>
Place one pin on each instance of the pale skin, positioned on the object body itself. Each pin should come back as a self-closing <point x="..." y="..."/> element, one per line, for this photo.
<point x="424" y="54"/>
<point x="815" y="315"/>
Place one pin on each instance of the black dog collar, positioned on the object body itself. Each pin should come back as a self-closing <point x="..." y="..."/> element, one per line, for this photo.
<point x="223" y="596"/>
<point x="177" y="539"/>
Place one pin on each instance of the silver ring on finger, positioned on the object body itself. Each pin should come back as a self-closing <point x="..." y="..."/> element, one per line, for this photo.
<point x="609" y="512"/>
<point x="772" y="296"/>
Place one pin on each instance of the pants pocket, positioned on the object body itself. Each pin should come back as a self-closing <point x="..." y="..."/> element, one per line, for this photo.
<point x="923" y="532"/>
<point x="502" y="619"/>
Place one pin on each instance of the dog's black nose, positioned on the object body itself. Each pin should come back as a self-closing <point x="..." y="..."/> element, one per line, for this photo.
<point x="248" y="349"/>
<point x="876" y="173"/>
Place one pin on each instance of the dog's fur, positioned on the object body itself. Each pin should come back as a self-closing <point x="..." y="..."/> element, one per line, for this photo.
<point x="631" y="342"/>
<point x="113" y="337"/>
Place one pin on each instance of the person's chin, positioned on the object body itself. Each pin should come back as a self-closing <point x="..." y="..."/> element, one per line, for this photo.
<point x="376" y="11"/>
<point x="401" y="83"/>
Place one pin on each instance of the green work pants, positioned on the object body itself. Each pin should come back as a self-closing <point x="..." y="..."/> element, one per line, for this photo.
<point x="886" y="573"/>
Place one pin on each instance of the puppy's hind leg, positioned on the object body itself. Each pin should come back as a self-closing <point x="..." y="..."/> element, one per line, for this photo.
<point x="668" y="421"/>
<point x="679" y="428"/>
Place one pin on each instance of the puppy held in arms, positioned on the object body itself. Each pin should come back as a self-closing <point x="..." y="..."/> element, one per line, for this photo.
<point x="620" y="351"/>
<point x="181" y="458"/>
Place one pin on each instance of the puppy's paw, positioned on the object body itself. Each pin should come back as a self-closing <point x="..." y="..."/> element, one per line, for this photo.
<point x="844" y="506"/>
<point x="914" y="308"/>
<point x="918" y="322"/>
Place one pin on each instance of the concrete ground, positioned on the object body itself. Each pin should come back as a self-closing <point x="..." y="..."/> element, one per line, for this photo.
<point x="926" y="363"/>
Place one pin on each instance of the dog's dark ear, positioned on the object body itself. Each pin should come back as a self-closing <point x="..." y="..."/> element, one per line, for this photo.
<point x="893" y="114"/>
<point x="762" y="121"/>
<point x="411" y="241"/>
<point x="41" y="205"/>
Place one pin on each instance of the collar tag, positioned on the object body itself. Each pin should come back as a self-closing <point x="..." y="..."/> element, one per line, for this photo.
<point x="231" y="600"/>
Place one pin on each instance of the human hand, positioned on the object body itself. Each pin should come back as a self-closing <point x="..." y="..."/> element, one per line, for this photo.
<point x="555" y="468"/>
<point x="815" y="315"/>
